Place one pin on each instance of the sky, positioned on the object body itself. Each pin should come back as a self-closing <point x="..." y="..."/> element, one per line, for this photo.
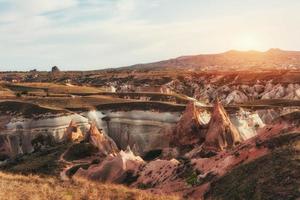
<point x="97" y="34"/>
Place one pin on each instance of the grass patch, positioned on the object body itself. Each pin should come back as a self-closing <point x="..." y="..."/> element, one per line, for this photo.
<point x="52" y="88"/>
<point x="16" y="187"/>
<point x="192" y="179"/>
<point x="144" y="186"/>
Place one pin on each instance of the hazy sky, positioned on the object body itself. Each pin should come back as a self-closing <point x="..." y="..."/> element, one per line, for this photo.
<point x="94" y="34"/>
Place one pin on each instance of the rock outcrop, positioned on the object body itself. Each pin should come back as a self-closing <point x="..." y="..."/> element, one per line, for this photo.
<point x="209" y="89"/>
<point x="55" y="69"/>
<point x="9" y="147"/>
<point x="114" y="169"/>
<point x="191" y="127"/>
<point x="73" y="133"/>
<point x="221" y="132"/>
<point x="236" y="97"/>
<point x="247" y="122"/>
<point x="104" y="143"/>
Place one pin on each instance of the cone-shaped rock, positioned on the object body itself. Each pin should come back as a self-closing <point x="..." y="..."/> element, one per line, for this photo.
<point x="190" y="128"/>
<point x="221" y="132"/>
<point x="73" y="133"/>
<point x="104" y="143"/>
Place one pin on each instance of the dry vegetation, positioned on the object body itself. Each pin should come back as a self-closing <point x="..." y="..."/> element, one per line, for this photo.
<point x="4" y="92"/>
<point x="16" y="187"/>
<point x="73" y="102"/>
<point x="54" y="88"/>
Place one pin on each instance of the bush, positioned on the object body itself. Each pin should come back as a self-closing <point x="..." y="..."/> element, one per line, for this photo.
<point x="192" y="179"/>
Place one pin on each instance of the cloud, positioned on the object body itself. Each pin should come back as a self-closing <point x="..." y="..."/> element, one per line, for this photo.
<point x="92" y="34"/>
<point x="35" y="7"/>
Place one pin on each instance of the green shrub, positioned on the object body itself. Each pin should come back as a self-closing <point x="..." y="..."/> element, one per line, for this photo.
<point x="192" y="179"/>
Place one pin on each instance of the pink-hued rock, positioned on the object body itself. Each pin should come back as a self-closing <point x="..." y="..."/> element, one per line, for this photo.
<point x="191" y="127"/>
<point x="221" y="132"/>
<point x="103" y="142"/>
<point x="114" y="169"/>
<point x="158" y="171"/>
<point x="73" y="133"/>
<point x="246" y="152"/>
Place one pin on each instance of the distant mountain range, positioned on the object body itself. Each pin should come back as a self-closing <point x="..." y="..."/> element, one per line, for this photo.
<point x="230" y="60"/>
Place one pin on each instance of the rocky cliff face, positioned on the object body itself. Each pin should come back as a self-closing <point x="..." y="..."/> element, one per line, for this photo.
<point x="23" y="127"/>
<point x="143" y="131"/>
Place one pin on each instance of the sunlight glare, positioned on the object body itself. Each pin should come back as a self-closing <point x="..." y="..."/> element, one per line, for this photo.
<point x="249" y="42"/>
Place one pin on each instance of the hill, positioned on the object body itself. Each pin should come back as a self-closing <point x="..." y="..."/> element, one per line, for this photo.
<point x="237" y="60"/>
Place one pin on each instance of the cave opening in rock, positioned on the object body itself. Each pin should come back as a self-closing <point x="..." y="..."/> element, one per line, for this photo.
<point x="151" y="155"/>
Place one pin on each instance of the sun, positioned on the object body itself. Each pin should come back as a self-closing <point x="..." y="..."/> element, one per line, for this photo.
<point x="248" y="42"/>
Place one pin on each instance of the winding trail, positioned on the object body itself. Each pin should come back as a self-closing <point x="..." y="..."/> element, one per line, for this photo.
<point x="71" y="164"/>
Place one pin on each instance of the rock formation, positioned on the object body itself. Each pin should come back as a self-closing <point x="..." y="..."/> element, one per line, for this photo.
<point x="9" y="146"/>
<point x="104" y="143"/>
<point x="55" y="69"/>
<point x="73" y="133"/>
<point x="221" y="132"/>
<point x="114" y="169"/>
<point x="247" y="122"/>
<point x="209" y="88"/>
<point x="191" y="127"/>
<point x="236" y="97"/>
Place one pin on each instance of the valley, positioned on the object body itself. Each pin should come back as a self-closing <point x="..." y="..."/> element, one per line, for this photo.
<point x="198" y="134"/>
